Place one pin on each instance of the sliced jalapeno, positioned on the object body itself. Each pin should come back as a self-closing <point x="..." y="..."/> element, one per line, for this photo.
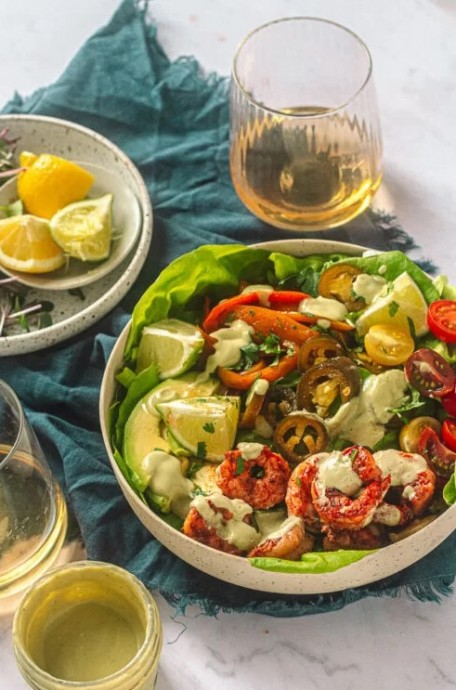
<point x="321" y="385"/>
<point x="318" y="350"/>
<point x="337" y="283"/>
<point x="300" y="434"/>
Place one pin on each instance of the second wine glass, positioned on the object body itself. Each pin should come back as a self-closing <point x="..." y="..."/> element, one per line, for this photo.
<point x="305" y="135"/>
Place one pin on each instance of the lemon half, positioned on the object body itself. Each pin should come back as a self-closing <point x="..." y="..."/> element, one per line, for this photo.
<point x="83" y="230"/>
<point x="26" y="245"/>
<point x="49" y="183"/>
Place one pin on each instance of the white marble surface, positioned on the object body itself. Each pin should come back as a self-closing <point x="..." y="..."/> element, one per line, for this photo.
<point x="377" y="643"/>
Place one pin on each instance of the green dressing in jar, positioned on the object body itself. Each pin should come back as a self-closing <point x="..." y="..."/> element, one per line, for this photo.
<point x="88" y="625"/>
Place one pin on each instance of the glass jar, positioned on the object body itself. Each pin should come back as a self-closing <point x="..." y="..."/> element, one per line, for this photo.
<point x="88" y="625"/>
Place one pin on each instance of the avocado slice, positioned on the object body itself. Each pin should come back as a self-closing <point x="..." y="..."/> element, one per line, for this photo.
<point x="144" y="430"/>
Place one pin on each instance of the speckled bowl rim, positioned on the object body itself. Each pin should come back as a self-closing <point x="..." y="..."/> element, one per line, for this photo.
<point x="236" y="570"/>
<point x="86" y="317"/>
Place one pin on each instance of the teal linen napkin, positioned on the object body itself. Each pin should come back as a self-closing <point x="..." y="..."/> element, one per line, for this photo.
<point x="173" y="123"/>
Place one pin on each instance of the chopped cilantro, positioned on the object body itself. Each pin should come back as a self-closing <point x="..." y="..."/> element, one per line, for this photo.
<point x="353" y="454"/>
<point x="240" y="465"/>
<point x="201" y="450"/>
<point x="209" y="428"/>
<point x="393" y="308"/>
<point x="271" y="345"/>
<point x="411" y="402"/>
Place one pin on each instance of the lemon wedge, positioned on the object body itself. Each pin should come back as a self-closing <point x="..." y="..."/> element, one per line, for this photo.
<point x="395" y="305"/>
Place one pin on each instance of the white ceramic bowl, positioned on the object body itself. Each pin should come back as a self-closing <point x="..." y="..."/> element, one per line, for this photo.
<point x="41" y="134"/>
<point x="234" y="569"/>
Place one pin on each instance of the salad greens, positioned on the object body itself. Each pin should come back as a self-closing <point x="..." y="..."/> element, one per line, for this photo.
<point x="216" y="272"/>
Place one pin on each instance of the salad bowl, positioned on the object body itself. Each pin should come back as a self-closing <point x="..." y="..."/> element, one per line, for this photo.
<point x="234" y="569"/>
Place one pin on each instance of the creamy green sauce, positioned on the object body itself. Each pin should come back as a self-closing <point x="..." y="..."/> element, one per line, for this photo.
<point x="362" y="420"/>
<point x="284" y="527"/>
<point x="368" y="287"/>
<point x="250" y="451"/>
<point x="263" y="292"/>
<point x="324" y="307"/>
<point x="89" y="641"/>
<point x="235" y="531"/>
<point x="269" y="521"/>
<point x="166" y="479"/>
<point x="228" y="346"/>
<point x="403" y="468"/>
<point x="335" y="472"/>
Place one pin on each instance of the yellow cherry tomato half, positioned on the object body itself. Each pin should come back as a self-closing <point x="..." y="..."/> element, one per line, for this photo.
<point x="410" y="433"/>
<point x="388" y="345"/>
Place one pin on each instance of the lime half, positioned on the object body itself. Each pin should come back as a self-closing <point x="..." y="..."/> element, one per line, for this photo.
<point x="401" y="301"/>
<point x="83" y="229"/>
<point x="206" y="427"/>
<point x="172" y="344"/>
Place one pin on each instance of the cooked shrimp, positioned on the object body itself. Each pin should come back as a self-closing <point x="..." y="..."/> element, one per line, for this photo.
<point x="347" y="496"/>
<point x="411" y="475"/>
<point x="254" y="474"/>
<point x="222" y="524"/>
<point x="299" y="494"/>
<point x="290" y="542"/>
<point x="370" y="537"/>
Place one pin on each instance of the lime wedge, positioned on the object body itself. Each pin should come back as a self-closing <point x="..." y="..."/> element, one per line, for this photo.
<point x="399" y="302"/>
<point x="83" y="229"/>
<point x="145" y="430"/>
<point x="206" y="427"/>
<point x="172" y="344"/>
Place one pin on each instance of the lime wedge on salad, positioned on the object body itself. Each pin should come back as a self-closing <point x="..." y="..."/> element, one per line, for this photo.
<point x="173" y="345"/>
<point x="402" y="300"/>
<point x="83" y="229"/>
<point x="145" y="431"/>
<point x="206" y="427"/>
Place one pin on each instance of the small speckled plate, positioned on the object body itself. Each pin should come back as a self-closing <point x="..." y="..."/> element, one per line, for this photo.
<point x="126" y="224"/>
<point x="236" y="570"/>
<point x="71" y="313"/>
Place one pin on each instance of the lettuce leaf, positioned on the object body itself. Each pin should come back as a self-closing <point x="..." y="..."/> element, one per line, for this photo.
<point x="311" y="563"/>
<point x="445" y="290"/>
<point x="390" y="265"/>
<point x="449" y="491"/>
<point x="214" y="270"/>
<point x="447" y="351"/>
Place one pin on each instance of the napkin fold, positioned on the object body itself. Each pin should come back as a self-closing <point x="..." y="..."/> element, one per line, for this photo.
<point x="172" y="120"/>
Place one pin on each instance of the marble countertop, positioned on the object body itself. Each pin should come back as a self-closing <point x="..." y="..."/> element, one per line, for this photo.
<point x="376" y="643"/>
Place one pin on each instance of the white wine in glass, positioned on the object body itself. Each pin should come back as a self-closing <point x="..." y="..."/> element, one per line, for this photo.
<point x="305" y="136"/>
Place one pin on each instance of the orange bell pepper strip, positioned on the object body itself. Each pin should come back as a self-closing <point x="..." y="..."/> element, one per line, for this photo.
<point x="305" y="318"/>
<point x="268" y="321"/>
<point x="286" y="300"/>
<point x="243" y="380"/>
<point x="217" y="316"/>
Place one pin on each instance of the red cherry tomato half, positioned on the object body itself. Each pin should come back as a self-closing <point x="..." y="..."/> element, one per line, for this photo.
<point x="430" y="373"/>
<point x="438" y="456"/>
<point x="449" y="403"/>
<point x="441" y="318"/>
<point x="449" y="433"/>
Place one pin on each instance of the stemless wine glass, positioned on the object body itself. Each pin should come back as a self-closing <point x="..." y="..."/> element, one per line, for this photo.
<point x="305" y="135"/>
<point x="33" y="514"/>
